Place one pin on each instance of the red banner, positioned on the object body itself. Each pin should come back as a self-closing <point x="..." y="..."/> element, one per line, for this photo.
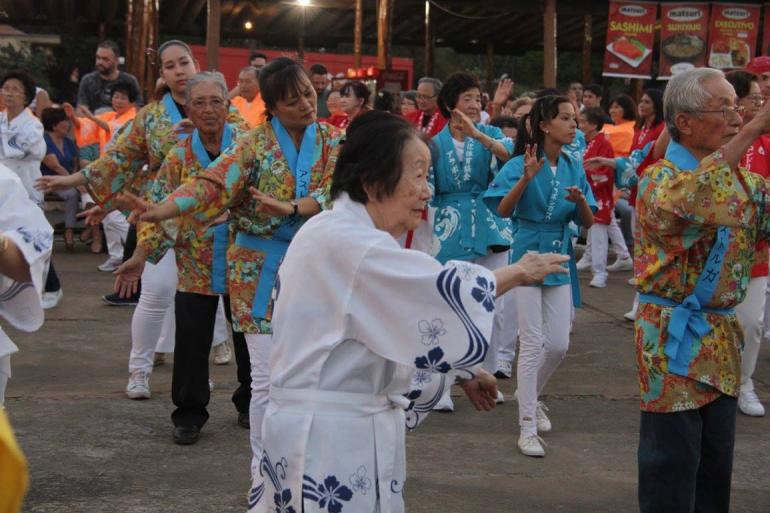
<point x="630" y="38"/>
<point x="765" y="50"/>
<point x="732" y="35"/>
<point x="683" y="36"/>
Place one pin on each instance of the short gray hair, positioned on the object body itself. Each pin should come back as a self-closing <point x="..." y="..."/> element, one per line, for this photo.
<point x="250" y="69"/>
<point x="436" y="83"/>
<point x="205" y="76"/>
<point x="685" y="93"/>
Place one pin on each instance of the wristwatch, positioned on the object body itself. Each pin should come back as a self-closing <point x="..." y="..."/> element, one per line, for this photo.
<point x="295" y="206"/>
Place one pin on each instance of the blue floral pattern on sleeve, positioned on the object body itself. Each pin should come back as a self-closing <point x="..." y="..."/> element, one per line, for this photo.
<point x="484" y="293"/>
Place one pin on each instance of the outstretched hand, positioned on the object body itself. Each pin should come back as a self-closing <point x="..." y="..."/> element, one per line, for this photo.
<point x="93" y="216"/>
<point x="595" y="162"/>
<point x="536" y="266"/>
<point x="574" y="194"/>
<point x="481" y="390"/>
<point x="127" y="276"/>
<point x="503" y="91"/>
<point x="270" y="205"/>
<point x="52" y="183"/>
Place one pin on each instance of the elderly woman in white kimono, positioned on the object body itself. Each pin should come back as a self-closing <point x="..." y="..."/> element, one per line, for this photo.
<point x="367" y="334"/>
<point x="26" y="239"/>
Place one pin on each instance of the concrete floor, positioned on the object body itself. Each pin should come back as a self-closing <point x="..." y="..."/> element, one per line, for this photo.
<point x="92" y="450"/>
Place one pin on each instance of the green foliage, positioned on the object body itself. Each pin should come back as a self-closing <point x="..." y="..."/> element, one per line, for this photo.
<point x="33" y="61"/>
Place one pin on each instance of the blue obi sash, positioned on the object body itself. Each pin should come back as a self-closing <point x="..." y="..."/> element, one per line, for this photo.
<point x="274" y="250"/>
<point x="221" y="235"/>
<point x="565" y="248"/>
<point x="688" y="324"/>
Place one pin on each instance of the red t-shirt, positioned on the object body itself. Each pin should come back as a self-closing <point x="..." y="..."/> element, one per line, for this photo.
<point x="431" y="126"/>
<point x="602" y="180"/>
<point x="757" y="160"/>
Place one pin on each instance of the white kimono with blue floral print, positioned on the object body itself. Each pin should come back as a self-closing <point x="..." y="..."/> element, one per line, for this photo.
<point x="366" y="335"/>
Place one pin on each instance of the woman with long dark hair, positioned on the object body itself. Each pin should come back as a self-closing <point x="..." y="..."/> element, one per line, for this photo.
<point x="542" y="191"/>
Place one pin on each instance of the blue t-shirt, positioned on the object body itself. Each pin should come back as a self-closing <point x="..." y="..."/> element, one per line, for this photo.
<point x="66" y="155"/>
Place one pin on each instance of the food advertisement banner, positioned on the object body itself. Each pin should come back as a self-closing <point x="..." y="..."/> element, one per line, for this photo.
<point x="630" y="39"/>
<point x="733" y="35"/>
<point x="683" y="36"/>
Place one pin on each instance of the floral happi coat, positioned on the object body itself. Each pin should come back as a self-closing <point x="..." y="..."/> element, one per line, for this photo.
<point x="681" y="205"/>
<point x="133" y="161"/>
<point x="195" y="244"/>
<point x="256" y="160"/>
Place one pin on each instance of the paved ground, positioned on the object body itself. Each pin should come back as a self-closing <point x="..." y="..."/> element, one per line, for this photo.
<point x="92" y="450"/>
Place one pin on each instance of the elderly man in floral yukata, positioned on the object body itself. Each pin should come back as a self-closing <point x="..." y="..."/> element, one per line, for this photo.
<point x="699" y="216"/>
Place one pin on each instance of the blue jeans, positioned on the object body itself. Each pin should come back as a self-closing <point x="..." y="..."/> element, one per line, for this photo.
<point x="686" y="459"/>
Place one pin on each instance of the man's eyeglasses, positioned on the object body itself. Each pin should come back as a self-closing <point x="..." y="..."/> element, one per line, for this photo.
<point x="425" y="96"/>
<point x="215" y="103"/>
<point x="737" y="110"/>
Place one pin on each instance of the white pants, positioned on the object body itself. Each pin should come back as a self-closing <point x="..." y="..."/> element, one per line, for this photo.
<point x="506" y="349"/>
<point x="544" y="322"/>
<point x="115" y="232"/>
<point x="616" y="240"/>
<point x="767" y="307"/>
<point x="5" y="375"/>
<point x="598" y="244"/>
<point x="751" y="314"/>
<point x="494" y="261"/>
<point x="259" y="356"/>
<point x="153" y="326"/>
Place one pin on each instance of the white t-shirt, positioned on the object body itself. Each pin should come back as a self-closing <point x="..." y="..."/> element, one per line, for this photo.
<point x="459" y="148"/>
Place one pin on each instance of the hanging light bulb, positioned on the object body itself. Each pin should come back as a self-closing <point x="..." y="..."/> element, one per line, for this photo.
<point x="248" y="25"/>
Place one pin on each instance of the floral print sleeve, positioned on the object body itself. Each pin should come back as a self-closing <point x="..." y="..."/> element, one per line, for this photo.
<point x="209" y="194"/>
<point x="157" y="239"/>
<point x="320" y="193"/>
<point x="118" y="168"/>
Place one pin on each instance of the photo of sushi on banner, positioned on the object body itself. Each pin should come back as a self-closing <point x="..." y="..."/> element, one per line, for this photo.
<point x="630" y="36"/>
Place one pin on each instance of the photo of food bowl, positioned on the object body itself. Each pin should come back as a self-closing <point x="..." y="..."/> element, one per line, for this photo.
<point x="683" y="48"/>
<point x="729" y="53"/>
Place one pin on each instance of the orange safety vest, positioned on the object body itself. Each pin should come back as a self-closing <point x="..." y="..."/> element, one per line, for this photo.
<point x="115" y="122"/>
<point x="252" y="111"/>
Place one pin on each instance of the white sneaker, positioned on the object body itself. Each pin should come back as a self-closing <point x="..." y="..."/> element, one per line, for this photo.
<point x="598" y="283"/>
<point x="621" y="264"/>
<point x="222" y="354"/>
<point x="445" y="403"/>
<point x="504" y="369"/>
<point x="51" y="299"/>
<point x="109" y="265"/>
<point x="138" y="385"/>
<point x="749" y="404"/>
<point x="531" y="445"/>
<point x="583" y="264"/>
<point x="632" y="281"/>
<point x="630" y="316"/>
<point x="543" y="422"/>
<point x="500" y="398"/>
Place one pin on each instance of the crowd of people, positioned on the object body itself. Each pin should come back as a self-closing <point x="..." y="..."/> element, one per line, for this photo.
<point x="462" y="212"/>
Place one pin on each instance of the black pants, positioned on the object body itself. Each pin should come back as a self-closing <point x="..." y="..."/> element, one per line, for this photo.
<point x="686" y="459"/>
<point x="195" y="318"/>
<point x="52" y="283"/>
<point x="242" y="394"/>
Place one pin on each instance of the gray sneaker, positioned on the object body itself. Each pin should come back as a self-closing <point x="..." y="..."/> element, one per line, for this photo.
<point x="138" y="385"/>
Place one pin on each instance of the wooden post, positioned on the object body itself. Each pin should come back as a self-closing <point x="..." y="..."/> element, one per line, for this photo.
<point x="383" y="37"/>
<point x="429" y="41"/>
<point x="141" y="34"/>
<point x="357" y="34"/>
<point x="490" y="65"/>
<point x="301" y="38"/>
<point x="213" y="27"/>
<point x="549" y="44"/>
<point x="637" y="85"/>
<point x="588" y="32"/>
